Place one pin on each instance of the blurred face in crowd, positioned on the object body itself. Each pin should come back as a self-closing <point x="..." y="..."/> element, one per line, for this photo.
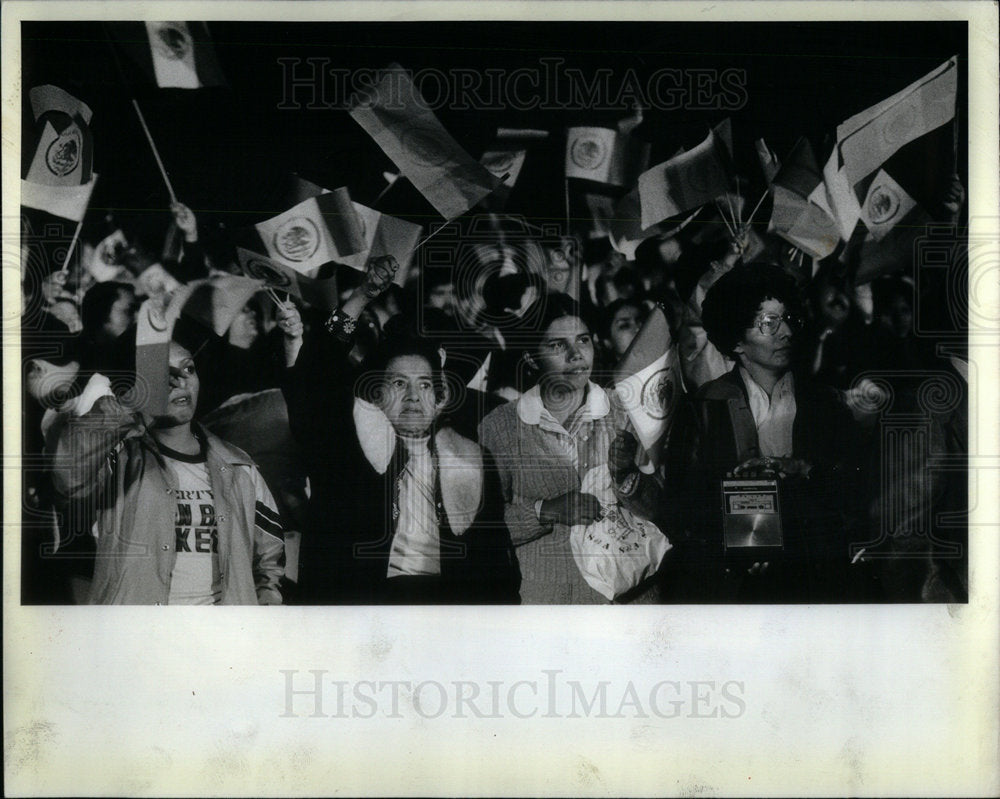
<point x="408" y="399"/>
<point x="184" y="385"/>
<point x="625" y="324"/>
<point x="771" y="352"/>
<point x="245" y="328"/>
<point x="467" y="309"/>
<point x="900" y="317"/>
<point x="443" y="298"/>
<point x="46" y="381"/>
<point x="121" y="315"/>
<point x="566" y="354"/>
<point x="834" y="306"/>
<point x="670" y="251"/>
<point x="557" y="271"/>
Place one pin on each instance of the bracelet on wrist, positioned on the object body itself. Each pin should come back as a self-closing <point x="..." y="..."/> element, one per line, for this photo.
<point x="341" y="325"/>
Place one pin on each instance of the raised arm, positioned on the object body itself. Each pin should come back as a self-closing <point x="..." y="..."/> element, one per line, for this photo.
<point x="319" y="385"/>
<point x="84" y="438"/>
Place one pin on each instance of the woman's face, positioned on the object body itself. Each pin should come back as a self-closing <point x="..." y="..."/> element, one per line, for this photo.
<point x="566" y="353"/>
<point x="624" y="326"/>
<point x="408" y="398"/>
<point x="772" y="352"/>
<point x="184" y="388"/>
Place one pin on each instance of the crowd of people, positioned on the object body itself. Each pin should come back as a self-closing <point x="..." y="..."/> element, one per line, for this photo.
<point x="439" y="441"/>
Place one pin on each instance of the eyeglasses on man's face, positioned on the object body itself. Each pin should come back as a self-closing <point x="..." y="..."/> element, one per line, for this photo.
<point x="768" y="323"/>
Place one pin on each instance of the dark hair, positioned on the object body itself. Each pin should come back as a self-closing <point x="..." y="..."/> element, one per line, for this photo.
<point x="556" y="306"/>
<point x="501" y="292"/>
<point x="608" y="314"/>
<point x="401" y="339"/>
<point x="732" y="302"/>
<point x="97" y="304"/>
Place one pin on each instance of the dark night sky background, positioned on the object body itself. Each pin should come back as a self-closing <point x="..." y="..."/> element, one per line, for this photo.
<point x="228" y="149"/>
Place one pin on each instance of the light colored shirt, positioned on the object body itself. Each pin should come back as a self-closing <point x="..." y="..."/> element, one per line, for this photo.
<point x="416" y="547"/>
<point x="571" y="438"/>
<point x="195" y="579"/>
<point x="774" y="416"/>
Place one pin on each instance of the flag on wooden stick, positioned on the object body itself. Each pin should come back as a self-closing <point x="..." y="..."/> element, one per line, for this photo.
<point x="688" y="180"/>
<point x="794" y="216"/>
<point x="318" y="230"/>
<point x="274" y="274"/>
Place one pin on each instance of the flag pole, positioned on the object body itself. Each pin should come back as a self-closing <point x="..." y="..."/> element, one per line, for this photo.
<point x="72" y="245"/>
<point x="125" y="84"/>
<point x="732" y="213"/>
<point x="722" y="213"/>
<point x="756" y="208"/>
<point x="76" y="233"/>
<point x="566" y="194"/>
<point x="156" y="153"/>
<point x="385" y="191"/>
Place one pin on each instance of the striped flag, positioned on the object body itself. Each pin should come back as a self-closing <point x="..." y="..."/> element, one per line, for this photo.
<point x="688" y="180"/>
<point x="604" y="156"/>
<point x="769" y="163"/>
<point x="170" y="55"/>
<point x="152" y="355"/>
<point x="60" y="178"/>
<point x="867" y="140"/>
<point x="399" y="120"/>
<point x="501" y="162"/>
<point x="319" y="293"/>
<point x="316" y="231"/>
<point x="384" y="235"/>
<point x="649" y="383"/>
<point x="216" y="301"/>
<point x="795" y="216"/>
<point x="885" y="205"/>
<point x="836" y="196"/>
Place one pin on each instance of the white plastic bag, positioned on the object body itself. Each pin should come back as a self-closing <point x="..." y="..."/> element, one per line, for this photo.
<point x="617" y="552"/>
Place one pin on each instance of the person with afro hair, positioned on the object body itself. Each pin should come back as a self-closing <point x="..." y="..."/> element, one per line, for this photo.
<point x="760" y="420"/>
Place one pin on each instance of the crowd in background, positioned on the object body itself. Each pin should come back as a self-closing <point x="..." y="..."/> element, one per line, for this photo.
<point x="280" y="384"/>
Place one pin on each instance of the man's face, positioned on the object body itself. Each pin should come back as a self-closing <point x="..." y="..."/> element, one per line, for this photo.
<point x="624" y="326"/>
<point x="184" y="385"/>
<point x="408" y="398"/>
<point x="771" y="352"/>
<point x="566" y="353"/>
